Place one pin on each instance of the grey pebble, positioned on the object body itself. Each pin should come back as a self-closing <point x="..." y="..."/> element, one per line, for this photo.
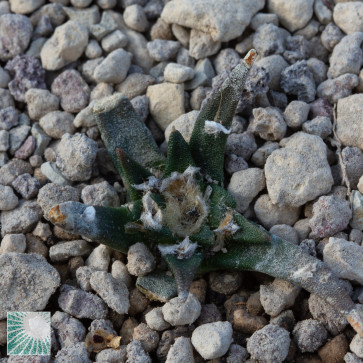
<point x="162" y="50"/>
<point x="13" y="243"/>
<point x="100" y="194"/>
<point x="81" y="304"/>
<point x="63" y="251"/>
<point x="9" y="117"/>
<point x="40" y="102"/>
<point x="320" y="126"/>
<point x="8" y="200"/>
<point x="296" y="113"/>
<point x="17" y="136"/>
<point x="26" y="185"/>
<point x="309" y="335"/>
<point x="28" y="281"/>
<point x="140" y="260"/>
<point x="75" y="353"/>
<point x="113" y="41"/>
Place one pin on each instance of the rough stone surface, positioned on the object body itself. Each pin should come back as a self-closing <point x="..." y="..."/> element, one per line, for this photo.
<point x="219" y="339"/>
<point x="81" y="304"/>
<point x="136" y="353"/>
<point x="177" y="73"/>
<point x="63" y="251"/>
<point x="202" y="16"/>
<point x="15" y="34"/>
<point x="100" y="258"/>
<point x="76" y="353"/>
<point x="299" y="172"/>
<point x="100" y="194"/>
<point x="155" y="320"/>
<point x="40" y="102"/>
<point x="309" y="335"/>
<point x="140" y="260"/>
<point x="292" y="15"/>
<point x="166" y="103"/>
<point x="26" y="185"/>
<point x="356" y="346"/>
<point x="320" y="126"/>
<point x="352" y="11"/>
<point x="13" y="243"/>
<point x="349" y="123"/>
<point x="112" y="291"/>
<point x="181" y="351"/>
<point x="268" y="123"/>
<point x="57" y="123"/>
<point x="72" y="90"/>
<point x="66" y="45"/>
<point x="75" y="156"/>
<point x="344" y="258"/>
<point x="28" y="281"/>
<point x="269" y="344"/>
<point x="278" y="296"/>
<point x="26" y="72"/>
<point x="298" y="80"/>
<point x="22" y="219"/>
<point x="347" y="56"/>
<point x="8" y="200"/>
<point x="270" y="214"/>
<point x="184" y="124"/>
<point x="114" y="68"/>
<point x="332" y="320"/>
<point x="180" y="312"/>
<point x="245" y="185"/>
<point x="330" y="216"/>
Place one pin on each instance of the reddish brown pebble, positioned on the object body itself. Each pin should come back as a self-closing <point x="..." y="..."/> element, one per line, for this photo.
<point x="335" y="350"/>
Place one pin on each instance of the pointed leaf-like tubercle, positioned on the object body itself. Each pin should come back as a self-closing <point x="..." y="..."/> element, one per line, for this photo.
<point x="157" y="286"/>
<point x="219" y="202"/>
<point x="179" y="156"/>
<point x="132" y="173"/>
<point x="289" y="262"/>
<point x="207" y="147"/>
<point x="101" y="224"/>
<point x="249" y="232"/>
<point x="120" y="127"/>
<point x="183" y="271"/>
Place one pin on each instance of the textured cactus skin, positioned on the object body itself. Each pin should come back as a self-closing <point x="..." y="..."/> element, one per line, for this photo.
<point x="221" y="238"/>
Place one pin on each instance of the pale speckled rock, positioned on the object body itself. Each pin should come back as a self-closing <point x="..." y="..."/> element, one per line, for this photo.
<point x="299" y="172"/>
<point x="184" y="124"/>
<point x="285" y="232"/>
<point x="100" y="194"/>
<point x="344" y="258"/>
<point x="68" y="330"/>
<point x="347" y="56"/>
<point x="166" y="103"/>
<point x="112" y="355"/>
<point x="63" y="251"/>
<point x="8" y="200"/>
<point x="112" y="291"/>
<point x="81" y="304"/>
<point x="274" y="64"/>
<point x="181" y="351"/>
<point x="320" y="126"/>
<point x="119" y="272"/>
<point x="57" y="123"/>
<point x="155" y="320"/>
<point x="13" y="243"/>
<point x="181" y="312"/>
<point x="356" y="346"/>
<point x="40" y="102"/>
<point x="218" y="342"/>
<point x="28" y="281"/>
<point x="349" y="123"/>
<point x="15" y="34"/>
<point x="349" y="10"/>
<point x="75" y="353"/>
<point x="292" y="15"/>
<point x="357" y="209"/>
<point x="135" y="18"/>
<point x="22" y="219"/>
<point x="278" y="296"/>
<point x="270" y="214"/>
<point x="245" y="185"/>
<point x="136" y="353"/>
<point x="25" y="6"/>
<point x="75" y="156"/>
<point x="65" y="46"/>
<point x="330" y="216"/>
<point x="269" y="344"/>
<point x="114" y="68"/>
<point x="177" y="73"/>
<point x="224" y="21"/>
<point x="140" y="261"/>
<point x="352" y="358"/>
<point x="309" y="335"/>
<point x="100" y="258"/>
<point x="268" y="123"/>
<point x="202" y="44"/>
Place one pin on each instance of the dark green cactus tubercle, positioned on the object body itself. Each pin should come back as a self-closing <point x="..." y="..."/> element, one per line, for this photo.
<point x="179" y="209"/>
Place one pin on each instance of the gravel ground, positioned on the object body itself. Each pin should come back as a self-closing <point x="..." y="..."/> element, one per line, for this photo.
<point x="294" y="163"/>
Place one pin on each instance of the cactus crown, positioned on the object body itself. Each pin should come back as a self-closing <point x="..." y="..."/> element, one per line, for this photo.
<point x="179" y="208"/>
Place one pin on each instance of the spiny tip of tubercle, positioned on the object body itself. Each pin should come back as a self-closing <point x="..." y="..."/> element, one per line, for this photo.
<point x="250" y="57"/>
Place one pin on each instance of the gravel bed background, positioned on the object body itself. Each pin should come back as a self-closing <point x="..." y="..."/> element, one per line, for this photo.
<point x="294" y="162"/>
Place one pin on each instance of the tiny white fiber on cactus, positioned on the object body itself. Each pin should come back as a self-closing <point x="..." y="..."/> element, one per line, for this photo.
<point x="182" y="250"/>
<point x="151" y="217"/>
<point x="214" y="128"/>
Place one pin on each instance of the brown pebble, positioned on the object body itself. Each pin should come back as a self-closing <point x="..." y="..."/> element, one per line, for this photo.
<point x="138" y="302"/>
<point x="74" y="263"/>
<point x="308" y="358"/>
<point x="199" y="289"/>
<point x="254" y="305"/>
<point x="62" y="234"/>
<point x="149" y="338"/>
<point x="245" y="322"/>
<point x="127" y="330"/>
<point x="335" y="350"/>
<point x="36" y="245"/>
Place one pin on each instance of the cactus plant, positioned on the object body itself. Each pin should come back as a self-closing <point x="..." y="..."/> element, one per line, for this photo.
<point x="178" y="207"/>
